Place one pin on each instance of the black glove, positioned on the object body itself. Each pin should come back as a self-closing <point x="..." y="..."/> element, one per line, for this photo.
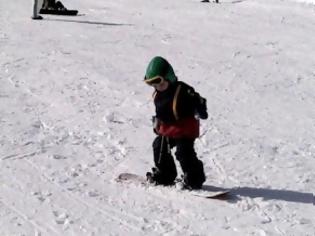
<point x="201" y="108"/>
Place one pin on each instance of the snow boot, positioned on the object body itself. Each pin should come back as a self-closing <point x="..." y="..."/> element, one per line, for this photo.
<point x="159" y="178"/>
<point x="38" y="17"/>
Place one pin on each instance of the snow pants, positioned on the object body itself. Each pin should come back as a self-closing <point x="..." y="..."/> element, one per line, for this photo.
<point x="185" y="153"/>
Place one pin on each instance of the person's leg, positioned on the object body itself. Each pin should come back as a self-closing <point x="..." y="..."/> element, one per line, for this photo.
<point x="192" y="167"/>
<point x="165" y="168"/>
<point x="36" y="8"/>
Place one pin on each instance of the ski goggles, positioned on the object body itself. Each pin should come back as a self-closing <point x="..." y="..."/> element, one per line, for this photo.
<point x="156" y="80"/>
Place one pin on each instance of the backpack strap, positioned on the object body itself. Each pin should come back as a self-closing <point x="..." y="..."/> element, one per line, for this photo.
<point x="154" y="95"/>
<point x="175" y="99"/>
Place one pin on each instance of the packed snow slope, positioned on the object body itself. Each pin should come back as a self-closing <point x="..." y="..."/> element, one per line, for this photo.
<point x="74" y="113"/>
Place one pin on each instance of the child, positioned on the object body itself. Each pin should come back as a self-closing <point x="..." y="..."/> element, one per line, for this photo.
<point x="176" y="105"/>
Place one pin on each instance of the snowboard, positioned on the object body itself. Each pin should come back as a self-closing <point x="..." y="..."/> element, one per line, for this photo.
<point x="59" y="12"/>
<point x="204" y="193"/>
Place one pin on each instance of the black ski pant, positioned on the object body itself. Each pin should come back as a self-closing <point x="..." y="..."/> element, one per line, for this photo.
<point x="185" y="153"/>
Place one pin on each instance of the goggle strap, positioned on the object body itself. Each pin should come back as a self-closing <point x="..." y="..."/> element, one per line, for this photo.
<point x="153" y="78"/>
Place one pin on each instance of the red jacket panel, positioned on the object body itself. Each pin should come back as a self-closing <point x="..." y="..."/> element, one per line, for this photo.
<point x="183" y="128"/>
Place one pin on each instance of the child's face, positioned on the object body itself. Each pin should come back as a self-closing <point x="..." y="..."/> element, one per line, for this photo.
<point x="161" y="86"/>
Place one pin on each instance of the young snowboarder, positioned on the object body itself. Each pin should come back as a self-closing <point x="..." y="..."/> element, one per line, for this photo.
<point x="176" y="124"/>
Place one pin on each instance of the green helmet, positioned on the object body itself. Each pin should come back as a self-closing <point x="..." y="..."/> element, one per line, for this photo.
<point x="159" y="66"/>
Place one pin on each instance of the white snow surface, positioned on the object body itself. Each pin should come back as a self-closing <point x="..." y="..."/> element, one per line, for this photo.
<point x="74" y="113"/>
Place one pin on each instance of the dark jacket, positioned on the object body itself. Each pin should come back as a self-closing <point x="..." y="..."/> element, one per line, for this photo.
<point x="176" y="108"/>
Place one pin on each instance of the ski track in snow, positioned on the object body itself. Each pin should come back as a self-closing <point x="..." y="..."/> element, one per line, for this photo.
<point x="74" y="114"/>
<point x="106" y="212"/>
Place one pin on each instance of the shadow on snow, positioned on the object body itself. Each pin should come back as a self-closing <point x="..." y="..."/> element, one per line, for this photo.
<point x="266" y="194"/>
<point x="89" y="22"/>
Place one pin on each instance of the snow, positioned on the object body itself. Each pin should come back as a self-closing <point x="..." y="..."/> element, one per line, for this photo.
<point x="74" y="113"/>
